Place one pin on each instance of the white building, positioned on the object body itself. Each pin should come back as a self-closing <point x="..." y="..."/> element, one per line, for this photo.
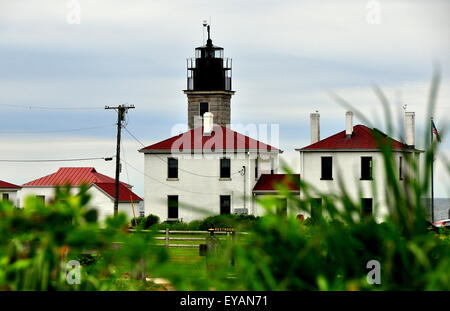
<point x="205" y="172"/>
<point x="8" y="192"/>
<point x="353" y="157"/>
<point x="270" y="185"/>
<point x="101" y="189"/>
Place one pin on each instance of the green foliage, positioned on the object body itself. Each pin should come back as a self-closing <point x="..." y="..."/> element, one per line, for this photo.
<point x="177" y="225"/>
<point x="241" y="222"/>
<point x="145" y="222"/>
<point x="38" y="241"/>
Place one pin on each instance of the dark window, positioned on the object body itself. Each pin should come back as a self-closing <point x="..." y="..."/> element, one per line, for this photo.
<point x="225" y="204"/>
<point x="41" y="198"/>
<point x="281" y="206"/>
<point x="366" y="168"/>
<point x="5" y="197"/>
<point x="172" y="165"/>
<point x="366" y="207"/>
<point x="400" y="168"/>
<point x="316" y="208"/>
<point x="204" y="107"/>
<point x="172" y="205"/>
<point x="327" y="168"/>
<point x="256" y="168"/>
<point x="225" y="166"/>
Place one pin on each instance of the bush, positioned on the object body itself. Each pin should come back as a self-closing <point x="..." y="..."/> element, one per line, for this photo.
<point x="39" y="243"/>
<point x="145" y="222"/>
<point x="241" y="222"/>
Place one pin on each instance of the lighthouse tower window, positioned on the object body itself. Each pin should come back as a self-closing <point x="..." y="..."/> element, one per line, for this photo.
<point x="204" y="107"/>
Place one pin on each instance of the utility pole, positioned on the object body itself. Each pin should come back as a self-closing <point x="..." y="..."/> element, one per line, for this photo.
<point x="121" y="110"/>
<point x="432" y="172"/>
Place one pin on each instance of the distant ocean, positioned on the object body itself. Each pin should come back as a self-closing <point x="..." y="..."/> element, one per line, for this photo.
<point x="441" y="208"/>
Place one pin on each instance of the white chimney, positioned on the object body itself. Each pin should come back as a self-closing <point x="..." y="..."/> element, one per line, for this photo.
<point x="207" y="123"/>
<point x="315" y="127"/>
<point x="409" y="129"/>
<point x="348" y="123"/>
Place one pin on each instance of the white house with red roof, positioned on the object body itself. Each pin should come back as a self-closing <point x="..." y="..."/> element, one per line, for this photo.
<point x="101" y="189"/>
<point x="352" y="159"/>
<point x="8" y="192"/>
<point x="208" y="170"/>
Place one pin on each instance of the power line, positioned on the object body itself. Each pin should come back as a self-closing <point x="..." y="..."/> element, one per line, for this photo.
<point x="57" y="160"/>
<point x="57" y="131"/>
<point x="30" y="107"/>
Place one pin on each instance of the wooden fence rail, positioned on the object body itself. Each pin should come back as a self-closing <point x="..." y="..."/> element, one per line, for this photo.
<point x="170" y="235"/>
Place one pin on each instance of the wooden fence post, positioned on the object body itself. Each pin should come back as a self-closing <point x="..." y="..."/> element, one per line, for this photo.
<point x="167" y="237"/>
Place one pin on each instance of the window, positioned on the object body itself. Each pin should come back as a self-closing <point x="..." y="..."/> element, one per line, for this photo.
<point x="327" y="168"/>
<point x="41" y="198"/>
<point x="172" y="168"/>
<point x="400" y="168"/>
<point x="204" y="107"/>
<point x="5" y="196"/>
<point x="225" y="166"/>
<point x="281" y="206"/>
<point x="366" y="207"/>
<point x="316" y="208"/>
<point x="225" y="204"/>
<point x="366" y="168"/>
<point x="172" y="207"/>
<point x="256" y="168"/>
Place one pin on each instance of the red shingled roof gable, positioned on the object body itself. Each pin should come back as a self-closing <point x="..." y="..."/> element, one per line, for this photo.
<point x="269" y="182"/>
<point x="125" y="194"/>
<point x="4" y="184"/>
<point x="362" y="138"/>
<point x="222" y="138"/>
<point x="75" y="176"/>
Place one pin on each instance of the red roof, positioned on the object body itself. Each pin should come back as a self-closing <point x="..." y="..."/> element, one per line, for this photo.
<point x="125" y="194"/>
<point x="269" y="182"/>
<point x="4" y="184"/>
<point x="75" y="176"/>
<point x="222" y="138"/>
<point x="362" y="138"/>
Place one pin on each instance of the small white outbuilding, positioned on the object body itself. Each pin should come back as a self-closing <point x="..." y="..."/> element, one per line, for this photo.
<point x="101" y="189"/>
<point x="8" y="192"/>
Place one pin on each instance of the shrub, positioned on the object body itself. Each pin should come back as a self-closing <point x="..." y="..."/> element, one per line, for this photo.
<point x="145" y="222"/>
<point x="240" y="222"/>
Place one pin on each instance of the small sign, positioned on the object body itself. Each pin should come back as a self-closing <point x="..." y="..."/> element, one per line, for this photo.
<point x="222" y="229"/>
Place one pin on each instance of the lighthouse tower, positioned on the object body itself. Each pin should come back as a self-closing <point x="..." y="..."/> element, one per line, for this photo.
<point x="209" y="84"/>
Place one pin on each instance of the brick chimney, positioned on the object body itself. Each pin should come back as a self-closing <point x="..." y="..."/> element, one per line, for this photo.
<point x="315" y="127"/>
<point x="348" y="124"/>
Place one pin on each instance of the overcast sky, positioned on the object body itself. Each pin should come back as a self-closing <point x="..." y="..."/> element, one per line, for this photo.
<point x="286" y="56"/>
